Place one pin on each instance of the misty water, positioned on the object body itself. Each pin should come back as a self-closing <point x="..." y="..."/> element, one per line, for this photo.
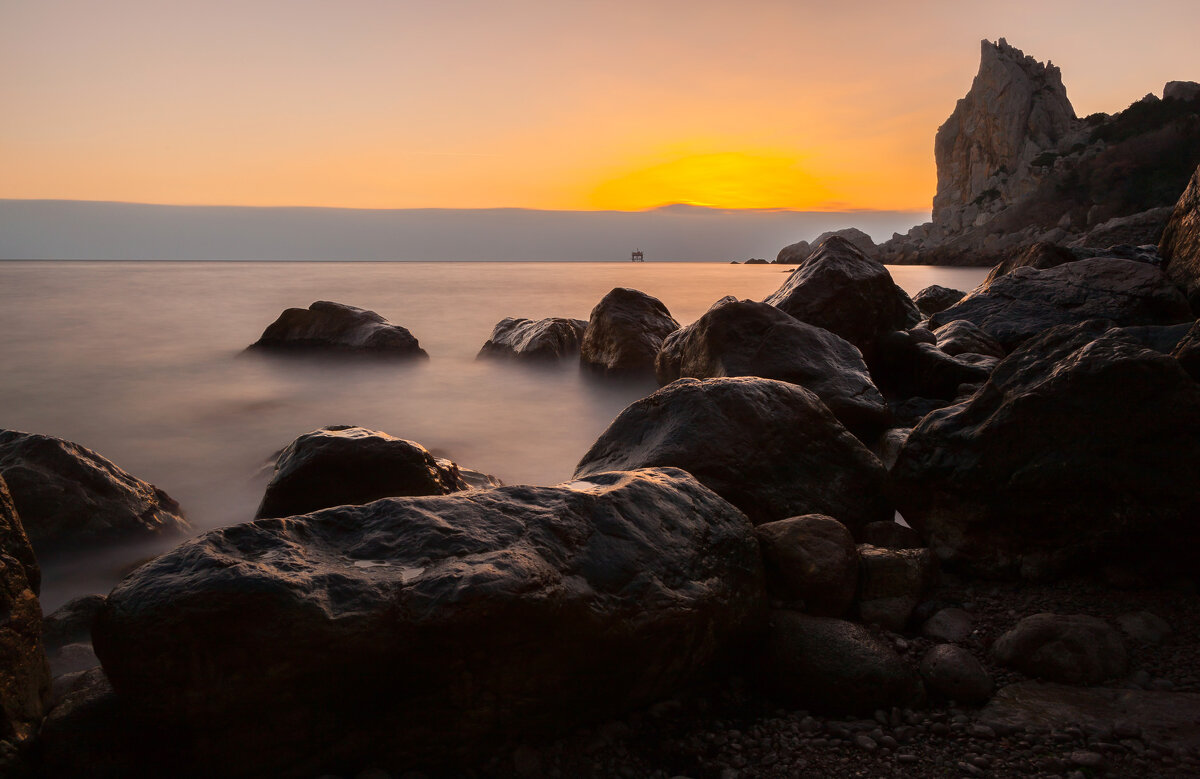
<point x="143" y="362"/>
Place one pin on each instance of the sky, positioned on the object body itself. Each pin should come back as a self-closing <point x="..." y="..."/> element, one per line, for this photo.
<point x="569" y="104"/>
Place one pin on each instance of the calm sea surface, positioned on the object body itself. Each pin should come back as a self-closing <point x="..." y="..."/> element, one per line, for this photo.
<point x="143" y="362"/>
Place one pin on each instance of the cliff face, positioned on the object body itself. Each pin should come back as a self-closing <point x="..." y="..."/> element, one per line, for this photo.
<point x="1015" y="166"/>
<point x="1017" y="109"/>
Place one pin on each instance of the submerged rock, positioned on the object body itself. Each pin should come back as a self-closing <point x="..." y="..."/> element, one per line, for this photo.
<point x="343" y="464"/>
<point x="431" y="629"/>
<point x="337" y="327"/>
<point x="770" y="448"/>
<point x="544" y="340"/>
<point x="71" y="498"/>
<point x="746" y="338"/>
<point x="624" y="333"/>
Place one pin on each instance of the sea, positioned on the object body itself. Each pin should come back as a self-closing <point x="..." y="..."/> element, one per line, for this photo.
<point x="145" y="363"/>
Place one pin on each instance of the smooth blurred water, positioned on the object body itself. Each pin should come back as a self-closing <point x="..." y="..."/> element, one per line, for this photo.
<point x="143" y="362"/>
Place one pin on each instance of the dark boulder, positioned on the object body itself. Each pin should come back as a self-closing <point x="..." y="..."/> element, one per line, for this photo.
<point x="624" y="333"/>
<point x="1041" y="255"/>
<point x="834" y="666"/>
<point x="70" y="498"/>
<point x="24" y="674"/>
<point x="891" y="582"/>
<point x="1180" y="244"/>
<point x="963" y="337"/>
<point x="342" y="464"/>
<point x="839" y="289"/>
<point x="72" y="622"/>
<point x="811" y="561"/>
<point x="935" y="298"/>
<point x="1070" y="648"/>
<point x="1083" y="446"/>
<point x="337" y="327"/>
<point x="953" y="672"/>
<point x="908" y="368"/>
<point x="1187" y="351"/>
<point x="545" y="340"/>
<point x="430" y="630"/>
<point x="1026" y="302"/>
<point x="746" y="338"/>
<point x="770" y="448"/>
<point x="793" y="253"/>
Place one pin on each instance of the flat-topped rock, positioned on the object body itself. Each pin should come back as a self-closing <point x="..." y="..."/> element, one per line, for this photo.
<point x="420" y="630"/>
<point x="543" y="340"/>
<point x="624" y="333"/>
<point x="70" y="497"/>
<point x="771" y="448"/>
<point x="747" y="338"/>
<point x="344" y="464"/>
<point x="337" y="327"/>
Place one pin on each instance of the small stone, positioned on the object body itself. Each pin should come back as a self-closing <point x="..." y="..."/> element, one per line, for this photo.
<point x="1086" y="759"/>
<point x="864" y="741"/>
<point x="950" y="625"/>
<point x="906" y="758"/>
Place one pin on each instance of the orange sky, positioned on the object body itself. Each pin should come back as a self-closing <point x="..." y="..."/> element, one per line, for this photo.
<point x="560" y="105"/>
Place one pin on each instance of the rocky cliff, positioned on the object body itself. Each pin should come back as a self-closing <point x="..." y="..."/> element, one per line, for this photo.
<point x="1016" y="166"/>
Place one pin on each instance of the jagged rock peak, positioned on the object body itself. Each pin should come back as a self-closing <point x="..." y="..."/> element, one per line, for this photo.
<point x="987" y="150"/>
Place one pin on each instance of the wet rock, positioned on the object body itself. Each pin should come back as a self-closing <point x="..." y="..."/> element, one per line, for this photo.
<point x="337" y="327"/>
<point x="891" y="535"/>
<point x="891" y="582"/>
<point x="72" y="622"/>
<point x="1144" y="627"/>
<point x="909" y="368"/>
<point x="834" y="666"/>
<point x="811" y="560"/>
<point x="1080" y="449"/>
<point x="841" y="290"/>
<point x="1180" y="244"/>
<point x="952" y="672"/>
<point x="624" y="333"/>
<point x="1070" y="648"/>
<point x="936" y="298"/>
<point x="414" y="630"/>
<point x="746" y="338"/>
<point x="1027" y="302"/>
<point x="343" y="464"/>
<point x="950" y="625"/>
<point x="544" y="340"/>
<point x="770" y="448"/>
<point x="962" y="337"/>
<point x="24" y="674"/>
<point x="69" y="497"/>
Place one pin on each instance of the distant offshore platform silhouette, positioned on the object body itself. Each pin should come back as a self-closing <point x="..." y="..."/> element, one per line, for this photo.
<point x="637" y="256"/>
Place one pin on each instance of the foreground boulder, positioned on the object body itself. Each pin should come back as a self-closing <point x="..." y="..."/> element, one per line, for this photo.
<point x="24" y="673"/>
<point x="770" y="448"/>
<point x="624" y="333"/>
<point x="336" y="327"/>
<point x="891" y="582"/>
<point x="746" y="338"/>
<point x="431" y="629"/>
<point x="70" y="498"/>
<point x="342" y="464"/>
<point x="1071" y="648"/>
<point x="953" y="672"/>
<point x="834" y="666"/>
<point x="1180" y="244"/>
<point x="810" y="561"/>
<point x="1026" y="302"/>
<point x="839" y="289"/>
<point x="1083" y="446"/>
<point x="544" y="340"/>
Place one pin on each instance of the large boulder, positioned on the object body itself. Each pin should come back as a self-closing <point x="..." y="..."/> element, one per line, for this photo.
<point x="908" y="368"/>
<point x="962" y="337"/>
<point x="1070" y="648"/>
<point x="337" y="327"/>
<point x="1083" y="445"/>
<point x="70" y="498"/>
<point x="840" y="289"/>
<point x="624" y="333"/>
<point x="891" y="582"/>
<point x="770" y="448"/>
<point x="952" y="672"/>
<point x="344" y="464"/>
<point x="544" y="340"/>
<point x="1180" y="244"/>
<point x="858" y="238"/>
<point x="1019" y="305"/>
<point x="794" y="253"/>
<point x="24" y="673"/>
<point x="747" y="338"/>
<point x="1041" y="255"/>
<point x="834" y="666"/>
<point x="414" y="630"/>
<point x="935" y="298"/>
<point x="810" y="561"/>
